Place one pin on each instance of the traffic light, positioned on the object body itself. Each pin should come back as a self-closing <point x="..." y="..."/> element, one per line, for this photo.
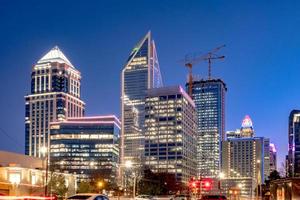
<point x="207" y="184"/>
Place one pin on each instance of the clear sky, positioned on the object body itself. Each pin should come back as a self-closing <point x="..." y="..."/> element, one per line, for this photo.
<point x="261" y="68"/>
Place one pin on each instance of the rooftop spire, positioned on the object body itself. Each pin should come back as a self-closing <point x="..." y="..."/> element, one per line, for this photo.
<point x="55" y="55"/>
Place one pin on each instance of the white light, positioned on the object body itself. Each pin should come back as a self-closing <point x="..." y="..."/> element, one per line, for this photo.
<point x="128" y="164"/>
<point x="15" y="178"/>
<point x="222" y="175"/>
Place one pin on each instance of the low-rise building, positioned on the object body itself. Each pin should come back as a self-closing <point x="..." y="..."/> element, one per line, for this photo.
<point x="26" y="175"/>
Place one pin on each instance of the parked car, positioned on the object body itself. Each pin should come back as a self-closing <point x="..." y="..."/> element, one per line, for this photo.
<point x="144" y="197"/>
<point x="213" y="197"/>
<point x="88" y="196"/>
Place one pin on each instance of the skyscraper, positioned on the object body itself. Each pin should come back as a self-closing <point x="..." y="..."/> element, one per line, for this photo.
<point x="170" y="132"/>
<point x="209" y="97"/>
<point x="245" y="162"/>
<point x="273" y="157"/>
<point x="294" y="144"/>
<point x="87" y="146"/>
<point x="55" y="96"/>
<point x="141" y="72"/>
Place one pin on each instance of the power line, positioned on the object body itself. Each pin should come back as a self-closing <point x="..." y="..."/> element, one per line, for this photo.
<point x="11" y="138"/>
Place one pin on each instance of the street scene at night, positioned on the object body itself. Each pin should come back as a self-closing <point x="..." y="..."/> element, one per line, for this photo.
<point x="149" y="100"/>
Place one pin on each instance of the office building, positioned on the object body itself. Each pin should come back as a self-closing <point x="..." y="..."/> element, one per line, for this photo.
<point x="245" y="163"/>
<point x="209" y="98"/>
<point x="141" y="72"/>
<point x="294" y="144"/>
<point x="55" y="96"/>
<point x="233" y="134"/>
<point x="86" y="146"/>
<point x="170" y="132"/>
<point x="273" y="157"/>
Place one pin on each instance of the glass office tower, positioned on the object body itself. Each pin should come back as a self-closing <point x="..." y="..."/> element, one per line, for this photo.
<point x="209" y="98"/>
<point x="170" y="132"/>
<point x="55" y="96"/>
<point x="294" y="144"/>
<point x="87" y="146"/>
<point x="140" y="73"/>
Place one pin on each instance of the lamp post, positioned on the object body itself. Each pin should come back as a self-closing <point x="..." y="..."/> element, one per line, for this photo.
<point x="129" y="165"/>
<point x="100" y="185"/>
<point x="221" y="176"/>
<point x="44" y="151"/>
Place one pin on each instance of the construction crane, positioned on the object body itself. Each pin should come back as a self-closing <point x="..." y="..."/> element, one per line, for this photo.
<point x="189" y="63"/>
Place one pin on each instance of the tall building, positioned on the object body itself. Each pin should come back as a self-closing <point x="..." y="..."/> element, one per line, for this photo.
<point x="245" y="163"/>
<point x="170" y="132"/>
<point x="294" y="144"/>
<point x="247" y="127"/>
<point x="141" y="72"/>
<point x="86" y="146"/>
<point x="209" y="98"/>
<point x="273" y="157"/>
<point x="55" y="96"/>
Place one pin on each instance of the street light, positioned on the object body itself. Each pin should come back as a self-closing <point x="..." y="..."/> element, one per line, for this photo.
<point x="100" y="185"/>
<point x="44" y="152"/>
<point x="221" y="176"/>
<point x="129" y="165"/>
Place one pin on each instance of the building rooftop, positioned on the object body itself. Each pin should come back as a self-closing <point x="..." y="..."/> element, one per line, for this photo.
<point x="10" y="159"/>
<point x="55" y="55"/>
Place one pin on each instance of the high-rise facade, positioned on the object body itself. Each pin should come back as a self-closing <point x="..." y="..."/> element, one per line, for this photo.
<point x="209" y="98"/>
<point x="141" y="72"/>
<point x="55" y="96"/>
<point x="294" y="144"/>
<point x="245" y="162"/>
<point x="273" y="157"/>
<point x="87" y="146"/>
<point x="170" y="132"/>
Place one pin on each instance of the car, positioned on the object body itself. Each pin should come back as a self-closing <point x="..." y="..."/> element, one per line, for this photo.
<point x="181" y="197"/>
<point x="144" y="197"/>
<point x="88" y="196"/>
<point x="213" y="197"/>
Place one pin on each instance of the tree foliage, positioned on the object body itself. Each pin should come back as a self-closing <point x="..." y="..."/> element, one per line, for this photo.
<point x="157" y="183"/>
<point x="57" y="185"/>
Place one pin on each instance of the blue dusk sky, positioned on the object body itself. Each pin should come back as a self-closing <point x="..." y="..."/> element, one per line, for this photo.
<point x="261" y="68"/>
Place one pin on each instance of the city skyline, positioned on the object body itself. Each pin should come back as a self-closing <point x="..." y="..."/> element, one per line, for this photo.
<point x="20" y="52"/>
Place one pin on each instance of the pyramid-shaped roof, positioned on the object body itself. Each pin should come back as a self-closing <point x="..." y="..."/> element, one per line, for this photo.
<point x="55" y="55"/>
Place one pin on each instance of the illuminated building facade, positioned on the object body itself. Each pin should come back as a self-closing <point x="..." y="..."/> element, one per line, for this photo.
<point x="55" y="96"/>
<point x="245" y="162"/>
<point x="87" y="146"/>
<point x="22" y="175"/>
<point x="273" y="157"/>
<point x="294" y="144"/>
<point x="209" y="97"/>
<point x="247" y="127"/>
<point x="140" y="73"/>
<point x="233" y="134"/>
<point x="170" y="132"/>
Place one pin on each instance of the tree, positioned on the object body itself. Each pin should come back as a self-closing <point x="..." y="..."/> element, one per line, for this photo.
<point x="158" y="183"/>
<point x="274" y="175"/>
<point x="85" y="187"/>
<point x="57" y="185"/>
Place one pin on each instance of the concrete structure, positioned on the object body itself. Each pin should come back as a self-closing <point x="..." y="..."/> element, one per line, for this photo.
<point x="141" y="72"/>
<point x="170" y="132"/>
<point x="87" y="146"/>
<point x="245" y="161"/>
<point x="55" y="96"/>
<point x="294" y="144"/>
<point x="25" y="175"/>
<point x="285" y="189"/>
<point x="209" y="98"/>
